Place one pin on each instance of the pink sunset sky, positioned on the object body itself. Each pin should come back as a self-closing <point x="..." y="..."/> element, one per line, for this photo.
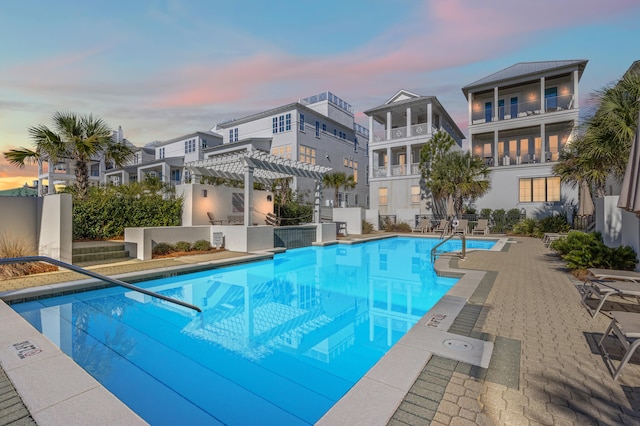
<point x="161" y="69"/>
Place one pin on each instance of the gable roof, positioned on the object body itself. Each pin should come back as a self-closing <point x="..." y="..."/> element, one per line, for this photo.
<point x="527" y="69"/>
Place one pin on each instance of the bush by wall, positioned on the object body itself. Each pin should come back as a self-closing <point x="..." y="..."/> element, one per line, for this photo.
<point x="583" y="250"/>
<point x="106" y="211"/>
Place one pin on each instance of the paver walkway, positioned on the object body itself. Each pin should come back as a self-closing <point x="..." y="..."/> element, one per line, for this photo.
<point x="563" y="379"/>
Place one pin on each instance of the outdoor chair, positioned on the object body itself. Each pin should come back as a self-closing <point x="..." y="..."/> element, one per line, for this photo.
<point x="213" y="220"/>
<point x="272" y="219"/>
<point x="602" y="290"/>
<point x="550" y="237"/>
<point x="443" y="226"/>
<point x="423" y="226"/>
<point x="482" y="227"/>
<point x="463" y="224"/>
<point x="626" y="327"/>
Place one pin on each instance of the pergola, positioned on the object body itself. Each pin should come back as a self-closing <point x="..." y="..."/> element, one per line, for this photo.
<point x="259" y="166"/>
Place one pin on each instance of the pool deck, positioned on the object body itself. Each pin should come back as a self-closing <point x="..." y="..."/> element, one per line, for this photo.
<point x="524" y="310"/>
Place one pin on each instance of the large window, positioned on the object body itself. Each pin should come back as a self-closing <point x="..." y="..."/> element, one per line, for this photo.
<point x="282" y="123"/>
<point x="382" y="196"/>
<point x="355" y="171"/>
<point x="233" y="135"/>
<point x="302" y="122"/>
<point x="317" y="129"/>
<point x="189" y="146"/>
<point x="539" y="189"/>
<point x="415" y="194"/>
<point x="283" y="151"/>
<point x="307" y="154"/>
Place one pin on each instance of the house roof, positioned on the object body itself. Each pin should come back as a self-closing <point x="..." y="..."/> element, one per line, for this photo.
<point x="19" y="192"/>
<point x="527" y="69"/>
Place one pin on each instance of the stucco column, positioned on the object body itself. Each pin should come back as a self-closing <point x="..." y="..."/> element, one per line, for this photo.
<point x="407" y="160"/>
<point x="248" y="191"/>
<point x="495" y="148"/>
<point x="388" y="161"/>
<point x="575" y="90"/>
<point x="370" y="131"/>
<point x="388" y="136"/>
<point x="408" y="121"/>
<point x="543" y="144"/>
<point x="316" y="203"/>
<point x="470" y="110"/>
<point x="51" y="188"/>
<point x="166" y="173"/>
<point x="429" y="118"/>
<point x="40" y="194"/>
<point x="543" y="106"/>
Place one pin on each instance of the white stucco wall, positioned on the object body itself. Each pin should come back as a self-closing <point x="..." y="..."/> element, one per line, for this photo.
<point x="56" y="227"/>
<point x="352" y="216"/>
<point x="20" y="219"/>
<point x="609" y="220"/>
<point x="631" y="232"/>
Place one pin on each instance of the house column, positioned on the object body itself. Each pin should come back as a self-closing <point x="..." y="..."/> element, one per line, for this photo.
<point x="408" y="122"/>
<point x="102" y="169"/>
<point x="543" y="106"/>
<point x="316" y="203"/>
<point x="470" y="109"/>
<point x="407" y="160"/>
<point x="388" y="161"/>
<point x="388" y="136"/>
<point x="51" y="188"/>
<point x="429" y="118"/>
<point x="248" y="192"/>
<point x="575" y="89"/>
<point x="369" y="148"/>
<point x="40" y="193"/>
<point x="543" y="144"/>
<point x="495" y="148"/>
<point x="166" y="172"/>
<point x="495" y="103"/>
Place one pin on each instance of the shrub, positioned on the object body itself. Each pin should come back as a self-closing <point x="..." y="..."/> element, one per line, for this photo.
<point x="367" y="227"/>
<point x="163" y="248"/>
<point x="485" y="214"/>
<point x="583" y="250"/>
<point x="12" y="246"/>
<point x="556" y="223"/>
<point x="202" y="245"/>
<point x="527" y="226"/>
<point x="397" y="227"/>
<point x="183" y="246"/>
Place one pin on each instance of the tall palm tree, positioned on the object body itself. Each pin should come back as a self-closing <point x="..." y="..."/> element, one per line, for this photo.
<point x="459" y="175"/>
<point x="440" y="143"/>
<point x="576" y="165"/>
<point x="75" y="137"/>
<point x="336" y="181"/>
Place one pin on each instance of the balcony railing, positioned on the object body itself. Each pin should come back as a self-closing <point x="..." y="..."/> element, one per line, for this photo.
<point x="397" y="170"/>
<point x="417" y="130"/>
<point x="524" y="109"/>
<point x="515" y="160"/>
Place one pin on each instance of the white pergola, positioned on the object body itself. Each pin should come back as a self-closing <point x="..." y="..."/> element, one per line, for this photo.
<point x="258" y="166"/>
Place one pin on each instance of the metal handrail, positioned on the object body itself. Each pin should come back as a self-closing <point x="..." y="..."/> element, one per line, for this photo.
<point x="26" y="259"/>
<point x="464" y="246"/>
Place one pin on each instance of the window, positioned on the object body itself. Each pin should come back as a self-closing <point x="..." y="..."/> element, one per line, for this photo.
<point x="501" y="109"/>
<point x="237" y="202"/>
<point x="366" y="174"/>
<point x="136" y="158"/>
<point x="355" y="199"/>
<point x="539" y="189"/>
<point x="415" y="194"/>
<point x="514" y="107"/>
<point x="302" y="122"/>
<point x="161" y="153"/>
<point x="274" y="125"/>
<point x="324" y="127"/>
<point x="307" y="154"/>
<point x="488" y="111"/>
<point x="382" y="196"/>
<point x="287" y="122"/>
<point x="175" y="175"/>
<point x="317" y="129"/>
<point x="551" y="98"/>
<point x="233" y="135"/>
<point x="335" y="132"/>
<point x="189" y="146"/>
<point x="283" y="151"/>
<point x="281" y="123"/>
<point x="355" y="172"/>
<point x="203" y="144"/>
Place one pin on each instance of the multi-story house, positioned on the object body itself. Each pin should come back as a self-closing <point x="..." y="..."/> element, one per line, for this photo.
<point x="405" y="123"/>
<point x="520" y="118"/>
<point x="164" y="160"/>
<point x="318" y="130"/>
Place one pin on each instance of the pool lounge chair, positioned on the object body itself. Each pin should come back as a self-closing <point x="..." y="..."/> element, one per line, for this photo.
<point x="423" y="226"/>
<point x="213" y="220"/>
<point x="601" y="290"/>
<point x="443" y="227"/>
<point x="463" y="224"/>
<point x="548" y="238"/>
<point x="482" y="227"/>
<point x="626" y="327"/>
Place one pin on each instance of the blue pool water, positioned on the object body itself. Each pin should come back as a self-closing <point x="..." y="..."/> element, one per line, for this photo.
<point x="278" y="341"/>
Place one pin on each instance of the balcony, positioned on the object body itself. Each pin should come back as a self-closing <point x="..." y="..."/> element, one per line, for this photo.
<point x="416" y="130"/>
<point x="397" y="170"/>
<point x="523" y="109"/>
<point x="520" y="159"/>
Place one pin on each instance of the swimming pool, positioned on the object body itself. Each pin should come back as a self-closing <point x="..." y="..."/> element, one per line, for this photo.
<point x="278" y="342"/>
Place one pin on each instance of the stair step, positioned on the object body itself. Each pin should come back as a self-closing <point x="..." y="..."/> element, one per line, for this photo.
<point x="97" y="249"/>
<point x="105" y="255"/>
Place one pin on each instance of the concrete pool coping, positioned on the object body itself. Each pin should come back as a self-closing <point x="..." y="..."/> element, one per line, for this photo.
<point x="58" y="391"/>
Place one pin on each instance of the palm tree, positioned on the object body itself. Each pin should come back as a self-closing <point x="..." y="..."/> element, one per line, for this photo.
<point x="459" y="175"/>
<point x="75" y="137"/>
<point x="575" y="165"/>
<point x="336" y="181"/>
<point x="440" y="143"/>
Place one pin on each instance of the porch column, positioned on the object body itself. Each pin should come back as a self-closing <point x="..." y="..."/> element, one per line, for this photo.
<point x="248" y="192"/>
<point x="470" y="109"/>
<point x="388" y="161"/>
<point x="40" y="194"/>
<point x="495" y="104"/>
<point x="543" y="106"/>
<point x="407" y="160"/>
<point x="370" y="131"/>
<point x="575" y="90"/>
<point x="495" y="148"/>
<point x="408" y="122"/>
<point x="316" y="203"/>
<point x="166" y="173"/>
<point x="102" y="169"/>
<point x="388" y="136"/>
<point x="543" y="144"/>
<point x="429" y="118"/>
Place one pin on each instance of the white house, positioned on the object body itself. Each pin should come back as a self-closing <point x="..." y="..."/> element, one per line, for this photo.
<point x="405" y="122"/>
<point x="520" y="118"/>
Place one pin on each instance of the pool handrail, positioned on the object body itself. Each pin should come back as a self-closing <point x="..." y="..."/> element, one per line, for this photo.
<point x="74" y="268"/>
<point x="434" y="252"/>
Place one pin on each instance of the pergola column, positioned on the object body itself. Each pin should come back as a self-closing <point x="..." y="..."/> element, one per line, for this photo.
<point x="316" y="202"/>
<point x="248" y="194"/>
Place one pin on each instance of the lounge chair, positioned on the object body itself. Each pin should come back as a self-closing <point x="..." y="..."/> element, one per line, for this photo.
<point x="601" y="290"/>
<point x="482" y="227"/>
<point x="423" y="226"/>
<point x="548" y="238"/>
<point x="463" y="224"/>
<point x="626" y="327"/>
<point x="213" y="220"/>
<point x="443" y="226"/>
<point x="614" y="274"/>
<point x="272" y="219"/>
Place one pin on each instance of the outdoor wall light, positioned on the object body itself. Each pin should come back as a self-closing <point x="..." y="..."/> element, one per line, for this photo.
<point x="269" y="198"/>
<point x="203" y="193"/>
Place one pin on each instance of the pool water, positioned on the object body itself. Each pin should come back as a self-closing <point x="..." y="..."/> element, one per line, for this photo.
<point x="278" y="341"/>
